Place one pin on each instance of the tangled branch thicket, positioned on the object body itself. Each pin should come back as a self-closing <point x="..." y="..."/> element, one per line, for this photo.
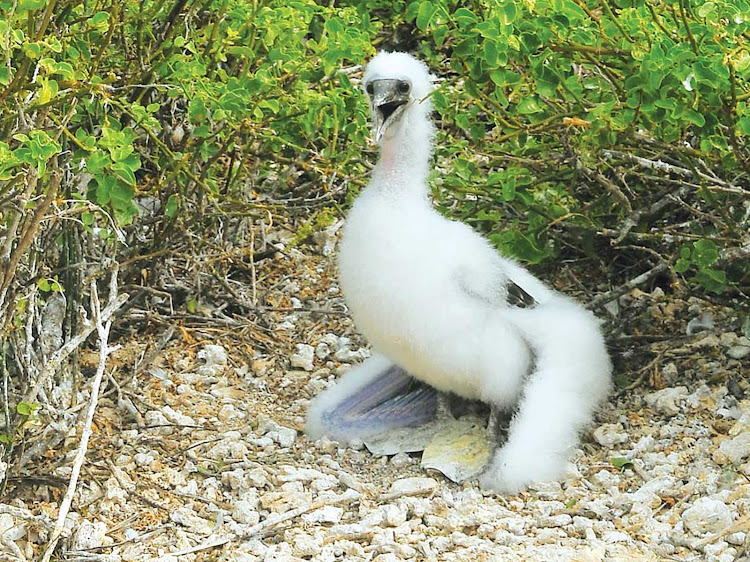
<point x="164" y="138"/>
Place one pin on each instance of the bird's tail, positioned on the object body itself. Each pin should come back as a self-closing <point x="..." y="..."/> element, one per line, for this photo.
<point x="572" y="375"/>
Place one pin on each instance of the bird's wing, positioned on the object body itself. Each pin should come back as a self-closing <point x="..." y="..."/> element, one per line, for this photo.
<point x="518" y="297"/>
<point x="494" y="290"/>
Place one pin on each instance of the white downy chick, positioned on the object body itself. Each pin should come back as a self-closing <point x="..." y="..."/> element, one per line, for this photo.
<point x="437" y="301"/>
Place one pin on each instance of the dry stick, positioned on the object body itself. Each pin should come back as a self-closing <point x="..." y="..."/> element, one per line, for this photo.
<point x="617" y="292"/>
<point x="261" y="528"/>
<point x="739" y="525"/>
<point x="26" y="237"/>
<point x="104" y="351"/>
<point x="635" y="217"/>
<point x="265" y="526"/>
<point x="608" y="184"/>
<point x="61" y="354"/>
<point x="203" y="546"/>
<point x="662" y="166"/>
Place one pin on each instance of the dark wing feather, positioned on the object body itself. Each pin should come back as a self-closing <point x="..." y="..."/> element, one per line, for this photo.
<point x="518" y="297"/>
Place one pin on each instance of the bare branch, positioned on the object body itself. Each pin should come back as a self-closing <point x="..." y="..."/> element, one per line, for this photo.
<point x="103" y="327"/>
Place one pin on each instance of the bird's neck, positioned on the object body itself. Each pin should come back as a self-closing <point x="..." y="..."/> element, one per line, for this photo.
<point x="405" y="158"/>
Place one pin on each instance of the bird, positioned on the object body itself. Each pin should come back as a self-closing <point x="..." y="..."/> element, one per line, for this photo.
<point x="447" y="314"/>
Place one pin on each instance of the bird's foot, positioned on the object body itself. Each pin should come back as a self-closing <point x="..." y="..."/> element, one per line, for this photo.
<point x="512" y="470"/>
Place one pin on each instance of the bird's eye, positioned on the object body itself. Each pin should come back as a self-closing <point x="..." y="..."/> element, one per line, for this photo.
<point x="404" y="87"/>
<point x="370" y="88"/>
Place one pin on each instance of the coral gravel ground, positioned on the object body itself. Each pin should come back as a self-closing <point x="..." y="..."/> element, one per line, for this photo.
<point x="198" y="452"/>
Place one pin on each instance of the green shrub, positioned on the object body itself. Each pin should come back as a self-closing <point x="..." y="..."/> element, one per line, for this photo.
<point x="562" y="121"/>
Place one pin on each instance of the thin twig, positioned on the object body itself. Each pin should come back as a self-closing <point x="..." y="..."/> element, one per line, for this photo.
<point x="104" y="351"/>
<point x="617" y="292"/>
<point x="197" y="548"/>
<point x="50" y="368"/>
<point x="267" y="525"/>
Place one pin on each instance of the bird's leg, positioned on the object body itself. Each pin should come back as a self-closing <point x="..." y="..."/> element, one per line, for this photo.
<point x="443" y="407"/>
<point x="493" y="424"/>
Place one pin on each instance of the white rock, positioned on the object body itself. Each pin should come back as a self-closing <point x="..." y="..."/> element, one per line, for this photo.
<point x="548" y="536"/>
<point x="734" y="450"/>
<point x="215" y="357"/>
<point x="158" y="423"/>
<point x="606" y="479"/>
<point x="412" y="486"/>
<point x="306" y="545"/>
<point x="707" y="515"/>
<point x="289" y="473"/>
<point x="327" y="514"/>
<point x="176" y="417"/>
<point x="615" y="536"/>
<point x="6" y="522"/>
<point x="741" y="350"/>
<point x="144" y="459"/>
<point x="284" y="436"/>
<point x="737" y="539"/>
<point x="666" y="400"/>
<point x="659" y="486"/>
<point x="394" y="514"/>
<point x="580" y="524"/>
<point x="346" y="355"/>
<point x="718" y="552"/>
<point x="186" y="517"/>
<point x="700" y="324"/>
<point x="90" y="535"/>
<point x="610" y="434"/>
<point x="114" y="493"/>
<point x="10" y="530"/>
<point x="323" y="484"/>
<point x="245" y="512"/>
<point x="322" y="351"/>
<point x="303" y="357"/>
<point x="400" y="459"/>
<point x="560" y="520"/>
<point x="229" y="413"/>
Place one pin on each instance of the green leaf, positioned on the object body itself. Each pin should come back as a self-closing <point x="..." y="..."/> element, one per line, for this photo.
<point x="706" y="252"/>
<point x="439" y="34"/>
<point x="30" y="5"/>
<point x="425" y="14"/>
<point x="712" y="280"/>
<point x="33" y="50"/>
<point x="508" y="13"/>
<point x="528" y="106"/>
<point x="621" y="463"/>
<point x="172" y="206"/>
<point x="682" y="265"/>
<point x="26" y="408"/>
<point x="99" y="18"/>
<point x="706" y="9"/>
<point x="124" y="173"/>
<point x="96" y="161"/>
<point x="465" y="17"/>
<point x="119" y="153"/>
<point x="570" y="9"/>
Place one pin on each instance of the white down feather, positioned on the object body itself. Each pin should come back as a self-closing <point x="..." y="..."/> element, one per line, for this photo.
<point x="431" y="295"/>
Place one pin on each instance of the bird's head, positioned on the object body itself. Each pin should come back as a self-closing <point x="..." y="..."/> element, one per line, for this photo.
<point x="396" y="85"/>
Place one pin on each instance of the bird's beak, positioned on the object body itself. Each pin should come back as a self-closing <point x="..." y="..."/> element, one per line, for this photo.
<point x="387" y="105"/>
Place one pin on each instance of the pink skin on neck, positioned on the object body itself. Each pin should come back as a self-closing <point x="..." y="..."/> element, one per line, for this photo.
<point x="388" y="155"/>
